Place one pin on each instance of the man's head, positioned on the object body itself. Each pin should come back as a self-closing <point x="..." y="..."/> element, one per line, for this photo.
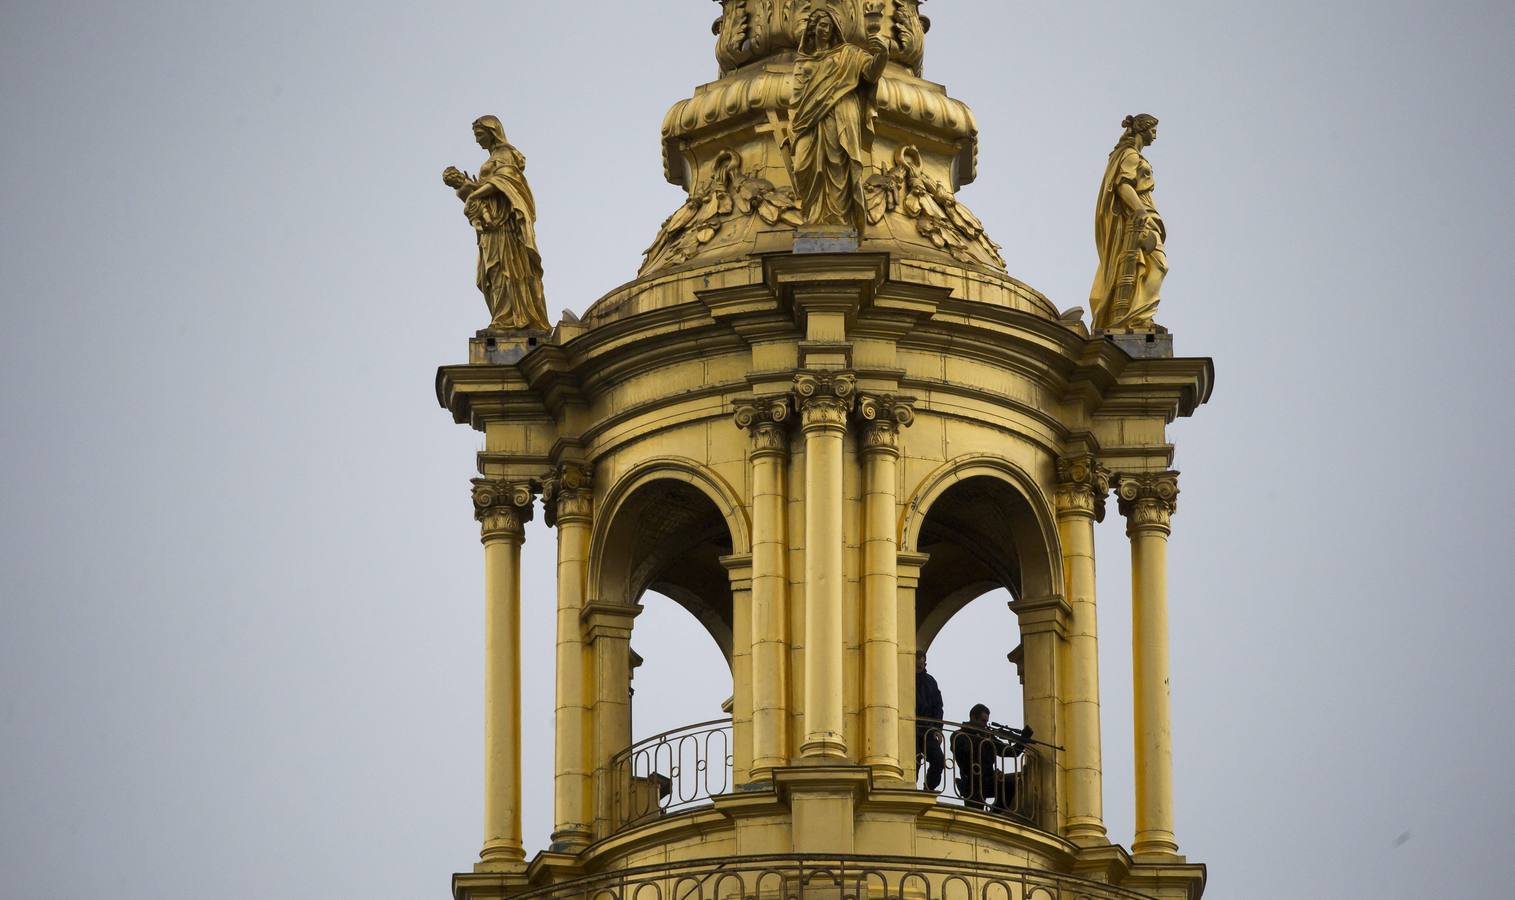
<point x="920" y="660"/>
<point x="979" y="714"/>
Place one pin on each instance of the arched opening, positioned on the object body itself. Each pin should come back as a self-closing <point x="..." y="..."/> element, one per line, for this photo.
<point x="986" y="547"/>
<point x="662" y="557"/>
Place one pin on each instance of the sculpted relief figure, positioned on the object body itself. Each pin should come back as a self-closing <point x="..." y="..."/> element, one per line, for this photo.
<point x="1129" y="234"/>
<point x="907" y="189"/>
<point x="728" y="194"/>
<point x="499" y="206"/>
<point x="831" y="126"/>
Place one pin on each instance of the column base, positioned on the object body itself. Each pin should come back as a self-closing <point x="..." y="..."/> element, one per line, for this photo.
<point x="571" y="839"/>
<point x="824" y="746"/>
<point x="1155" y="846"/>
<point x="1087" y="833"/>
<point x="885" y="768"/>
<point x="501" y="856"/>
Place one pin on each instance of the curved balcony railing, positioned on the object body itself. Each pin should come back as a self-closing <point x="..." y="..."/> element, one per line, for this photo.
<point x="683" y="768"/>
<point x="802" y="877"/>
<point x="981" y="768"/>
<point x="670" y="772"/>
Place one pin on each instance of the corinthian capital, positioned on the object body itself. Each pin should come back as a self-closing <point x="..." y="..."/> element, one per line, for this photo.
<point x="502" y="507"/>
<point x="764" y="418"/>
<point x="1082" y="485"/>
<point x="883" y="415"/>
<point x="824" y="399"/>
<point x="567" y="493"/>
<point x="1148" y="501"/>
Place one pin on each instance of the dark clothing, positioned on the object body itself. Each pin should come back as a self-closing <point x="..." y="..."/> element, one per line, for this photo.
<point x="976" y="752"/>
<point x="928" y="697"/>
<point x="928" y="733"/>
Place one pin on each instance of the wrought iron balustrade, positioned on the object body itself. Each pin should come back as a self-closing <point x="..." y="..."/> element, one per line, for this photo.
<point x="670" y="772"/>
<point x="979" y="767"/>
<point x="804" y="877"/>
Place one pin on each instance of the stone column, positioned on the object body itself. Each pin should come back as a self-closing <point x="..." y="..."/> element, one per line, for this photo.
<point x="1148" y="502"/>
<point x="503" y="509"/>
<point x="824" y="399"/>
<point x="769" y="458"/>
<point x="1082" y="484"/>
<point x="882" y="419"/>
<point x="1044" y="628"/>
<point x="568" y="499"/>
<point x="608" y="629"/>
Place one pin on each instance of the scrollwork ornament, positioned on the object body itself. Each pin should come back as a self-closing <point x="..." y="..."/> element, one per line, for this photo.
<point x="764" y="419"/>
<point x="883" y="416"/>
<point x="567" y="493"/>
<point x="1148" y="501"/>
<point x="502" y="508"/>
<point x="824" y="398"/>
<point x="1082" y="486"/>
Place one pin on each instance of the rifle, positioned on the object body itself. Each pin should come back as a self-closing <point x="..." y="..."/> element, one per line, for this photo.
<point x="1021" y="736"/>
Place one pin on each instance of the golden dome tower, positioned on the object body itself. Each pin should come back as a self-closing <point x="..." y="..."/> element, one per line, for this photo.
<point x="823" y="418"/>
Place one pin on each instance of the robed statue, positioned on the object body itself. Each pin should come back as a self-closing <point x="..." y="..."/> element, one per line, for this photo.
<point x="499" y="206"/>
<point x="831" y="124"/>
<point x="1129" y="234"/>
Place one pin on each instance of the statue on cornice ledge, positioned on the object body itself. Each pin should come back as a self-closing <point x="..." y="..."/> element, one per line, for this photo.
<point x="1129" y="235"/>
<point x="499" y="206"/>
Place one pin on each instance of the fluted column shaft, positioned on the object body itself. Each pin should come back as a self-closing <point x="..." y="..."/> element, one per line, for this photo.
<point x="570" y="503"/>
<point x="769" y="458"/>
<point x="1148" y="503"/>
<point x="1081" y="489"/>
<point x="502" y="509"/>
<point x="824" y="401"/>
<point x="882" y="419"/>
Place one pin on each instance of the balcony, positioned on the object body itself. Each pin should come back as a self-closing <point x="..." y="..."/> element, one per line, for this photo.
<point x="688" y="767"/>
<point x="810" y="877"/>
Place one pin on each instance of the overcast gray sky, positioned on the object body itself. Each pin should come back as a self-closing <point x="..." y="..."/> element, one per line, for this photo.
<point x="240" y="650"/>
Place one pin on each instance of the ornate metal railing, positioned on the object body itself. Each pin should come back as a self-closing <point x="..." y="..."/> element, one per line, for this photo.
<point x="671" y="771"/>
<point x="683" y="768"/>
<point x="980" y="768"/>
<point x="801" y="877"/>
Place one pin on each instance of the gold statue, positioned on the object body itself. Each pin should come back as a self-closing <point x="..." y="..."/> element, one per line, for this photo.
<point x="1129" y="234"/>
<point x="832" y="124"/>
<point x="503" y="214"/>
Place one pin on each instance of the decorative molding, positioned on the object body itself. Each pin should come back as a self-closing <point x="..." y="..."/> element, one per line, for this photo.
<point x="502" y="508"/>
<point x="883" y="415"/>
<point x="764" y="418"/>
<point x="1148" y="501"/>
<point x="824" y="399"/>
<point x="568" y="494"/>
<point x="1082" y="486"/>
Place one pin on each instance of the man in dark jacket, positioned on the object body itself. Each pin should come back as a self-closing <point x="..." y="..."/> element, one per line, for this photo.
<point x="976" y="752"/>
<point x="928" y="724"/>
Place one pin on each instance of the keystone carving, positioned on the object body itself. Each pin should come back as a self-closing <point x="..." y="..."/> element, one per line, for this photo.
<point x="1082" y="485"/>
<point x="567" y="493"/>
<point x="1148" y="501"/>
<point x="883" y="415"/>
<point x="502" y="507"/>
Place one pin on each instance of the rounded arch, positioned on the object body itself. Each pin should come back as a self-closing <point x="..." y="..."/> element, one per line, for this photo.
<point x="984" y="523"/>
<point x="665" y="525"/>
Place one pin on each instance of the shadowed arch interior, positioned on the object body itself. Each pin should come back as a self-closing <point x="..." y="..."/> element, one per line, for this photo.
<point x="669" y="537"/>
<point x="972" y="535"/>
